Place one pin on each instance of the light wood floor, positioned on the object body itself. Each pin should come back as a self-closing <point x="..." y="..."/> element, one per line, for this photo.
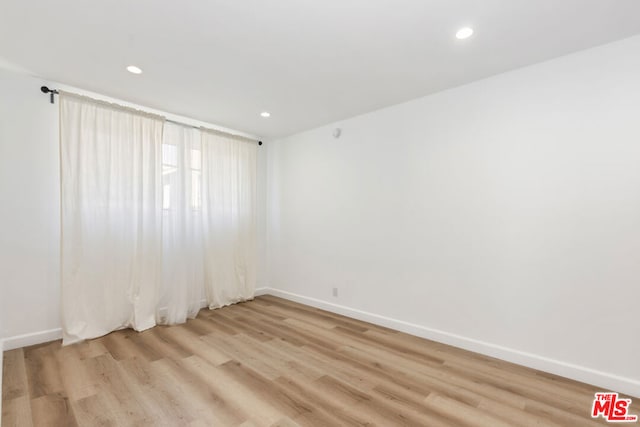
<point x="271" y="362"/>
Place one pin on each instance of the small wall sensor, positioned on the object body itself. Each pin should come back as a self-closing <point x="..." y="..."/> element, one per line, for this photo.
<point x="337" y="132"/>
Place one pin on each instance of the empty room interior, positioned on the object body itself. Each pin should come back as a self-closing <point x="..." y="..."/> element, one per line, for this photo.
<point x="320" y="213"/>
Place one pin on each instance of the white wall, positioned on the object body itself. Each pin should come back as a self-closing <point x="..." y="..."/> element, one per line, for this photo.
<point x="29" y="216"/>
<point x="502" y="216"/>
<point x="30" y="208"/>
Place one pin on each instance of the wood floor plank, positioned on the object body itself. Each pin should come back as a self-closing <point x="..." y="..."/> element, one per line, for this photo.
<point x="284" y="363"/>
<point x="285" y="422"/>
<point x="42" y="369"/>
<point x="120" y="346"/>
<point x="287" y="403"/>
<point x="77" y="381"/>
<point x="244" y="351"/>
<point x="242" y="403"/>
<point x="16" y="412"/>
<point x="94" y="411"/>
<point x="88" y="349"/>
<point x="14" y="381"/>
<point x="196" y="397"/>
<point x="237" y="323"/>
<point x="441" y="382"/>
<point x="52" y="410"/>
<point x="118" y="394"/>
<point x="271" y="362"/>
<point x="462" y="413"/>
<point x="254" y="308"/>
<point x="411" y="403"/>
<point x="192" y="344"/>
<point x="156" y="338"/>
<point x="334" y="408"/>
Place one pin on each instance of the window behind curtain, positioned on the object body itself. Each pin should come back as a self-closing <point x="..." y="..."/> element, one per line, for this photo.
<point x="173" y="165"/>
<point x="182" y="240"/>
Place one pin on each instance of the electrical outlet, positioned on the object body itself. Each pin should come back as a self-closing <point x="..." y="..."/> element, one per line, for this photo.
<point x="335" y="292"/>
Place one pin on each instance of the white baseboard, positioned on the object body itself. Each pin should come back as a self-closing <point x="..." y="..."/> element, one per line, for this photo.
<point x="261" y="291"/>
<point x="32" y="339"/>
<point x="575" y="372"/>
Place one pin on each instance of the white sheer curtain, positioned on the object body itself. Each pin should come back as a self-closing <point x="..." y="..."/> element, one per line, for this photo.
<point x="158" y="219"/>
<point x="111" y="207"/>
<point x="182" y="241"/>
<point x="229" y="217"/>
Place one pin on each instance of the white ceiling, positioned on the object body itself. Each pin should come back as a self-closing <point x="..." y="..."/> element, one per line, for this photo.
<point x="308" y="62"/>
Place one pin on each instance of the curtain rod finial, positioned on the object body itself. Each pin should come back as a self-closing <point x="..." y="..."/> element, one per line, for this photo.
<point x="45" y="89"/>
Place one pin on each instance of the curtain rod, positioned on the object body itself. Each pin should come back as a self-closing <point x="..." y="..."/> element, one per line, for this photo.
<point x="53" y="92"/>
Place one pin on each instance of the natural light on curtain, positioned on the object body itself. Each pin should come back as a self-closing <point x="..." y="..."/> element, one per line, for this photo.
<point x="158" y="219"/>
<point x="229" y="217"/>
<point x="182" y="239"/>
<point x="111" y="217"/>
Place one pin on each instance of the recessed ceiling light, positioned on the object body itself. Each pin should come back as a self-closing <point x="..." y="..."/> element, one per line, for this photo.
<point x="265" y="114"/>
<point x="464" y="33"/>
<point x="134" y="70"/>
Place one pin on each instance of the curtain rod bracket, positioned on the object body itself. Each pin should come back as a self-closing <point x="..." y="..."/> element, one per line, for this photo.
<point x="52" y="92"/>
